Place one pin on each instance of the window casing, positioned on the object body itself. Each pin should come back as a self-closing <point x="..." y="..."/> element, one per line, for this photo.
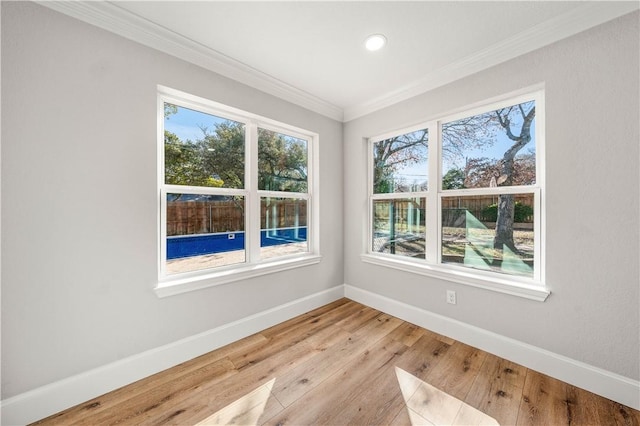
<point x="435" y="204"/>
<point x="239" y="200"/>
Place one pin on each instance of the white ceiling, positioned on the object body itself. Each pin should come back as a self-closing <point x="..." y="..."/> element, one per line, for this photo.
<point x="312" y="54"/>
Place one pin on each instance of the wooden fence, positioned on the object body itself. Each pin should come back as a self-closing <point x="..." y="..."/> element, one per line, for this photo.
<point x="475" y="204"/>
<point x="409" y="211"/>
<point x="186" y="217"/>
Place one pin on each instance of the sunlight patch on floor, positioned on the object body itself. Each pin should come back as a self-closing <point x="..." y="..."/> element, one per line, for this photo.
<point x="244" y="411"/>
<point x="428" y="405"/>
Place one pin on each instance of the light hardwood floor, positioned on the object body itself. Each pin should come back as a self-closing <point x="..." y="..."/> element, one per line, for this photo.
<point x="346" y="363"/>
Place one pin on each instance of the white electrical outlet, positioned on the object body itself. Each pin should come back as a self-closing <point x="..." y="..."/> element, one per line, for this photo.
<point x="451" y="297"/>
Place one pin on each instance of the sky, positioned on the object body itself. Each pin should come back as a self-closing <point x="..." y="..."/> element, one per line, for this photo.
<point x="186" y="121"/>
<point x="186" y="124"/>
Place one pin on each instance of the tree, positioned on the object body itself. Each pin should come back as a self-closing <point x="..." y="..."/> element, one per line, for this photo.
<point x="479" y="172"/>
<point x="217" y="159"/>
<point x="389" y="155"/>
<point x="222" y="152"/>
<point x="458" y="138"/>
<point x="182" y="162"/>
<point x="282" y="162"/>
<point x="453" y="179"/>
<point x="526" y="112"/>
<point x="169" y="109"/>
<point x="183" y="165"/>
<point x="480" y="131"/>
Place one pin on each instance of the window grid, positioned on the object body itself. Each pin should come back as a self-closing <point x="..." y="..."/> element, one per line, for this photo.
<point x="435" y="195"/>
<point x="388" y="196"/>
<point x="250" y="193"/>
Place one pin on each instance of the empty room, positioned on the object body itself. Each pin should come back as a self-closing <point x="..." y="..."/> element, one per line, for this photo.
<point x="314" y="212"/>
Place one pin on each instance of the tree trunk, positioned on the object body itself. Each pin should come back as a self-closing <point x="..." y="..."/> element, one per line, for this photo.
<point x="506" y="204"/>
<point x="504" y="223"/>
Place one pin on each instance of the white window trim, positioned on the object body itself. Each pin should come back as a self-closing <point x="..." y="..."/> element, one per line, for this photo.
<point x="466" y="276"/>
<point x="173" y="284"/>
<point x="529" y="288"/>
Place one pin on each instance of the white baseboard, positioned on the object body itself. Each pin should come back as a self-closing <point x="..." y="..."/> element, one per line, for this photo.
<point x="601" y="382"/>
<point x="50" y="399"/>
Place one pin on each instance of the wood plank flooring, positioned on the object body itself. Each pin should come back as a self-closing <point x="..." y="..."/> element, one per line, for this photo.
<point x="347" y="364"/>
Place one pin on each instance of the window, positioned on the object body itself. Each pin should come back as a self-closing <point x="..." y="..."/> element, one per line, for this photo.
<point x="461" y="197"/>
<point x="399" y="194"/>
<point x="236" y="193"/>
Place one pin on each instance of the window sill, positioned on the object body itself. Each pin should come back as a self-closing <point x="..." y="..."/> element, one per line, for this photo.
<point x="174" y="285"/>
<point x="456" y="275"/>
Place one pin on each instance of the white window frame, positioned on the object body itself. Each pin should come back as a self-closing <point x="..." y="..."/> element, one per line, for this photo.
<point x="531" y="288"/>
<point x="171" y="284"/>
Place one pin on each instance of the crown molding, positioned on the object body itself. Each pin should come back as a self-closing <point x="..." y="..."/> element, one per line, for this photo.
<point x="110" y="17"/>
<point x="588" y="15"/>
<point x="113" y="18"/>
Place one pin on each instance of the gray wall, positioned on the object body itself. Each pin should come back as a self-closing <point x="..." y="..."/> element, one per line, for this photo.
<point x="592" y="188"/>
<point x="79" y="202"/>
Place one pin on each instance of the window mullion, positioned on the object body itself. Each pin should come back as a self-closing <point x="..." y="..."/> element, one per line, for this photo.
<point x="252" y="231"/>
<point x="368" y="245"/>
<point x="538" y="235"/>
<point x="162" y="245"/>
<point x="432" y="220"/>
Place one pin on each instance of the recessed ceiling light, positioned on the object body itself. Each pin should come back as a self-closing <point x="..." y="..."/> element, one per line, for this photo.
<point x="375" y="42"/>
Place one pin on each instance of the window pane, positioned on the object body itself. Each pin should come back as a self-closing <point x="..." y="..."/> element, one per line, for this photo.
<point x="400" y="163"/>
<point x="202" y="149"/>
<point x="399" y="227"/>
<point x="204" y="231"/>
<point x="283" y="227"/>
<point x="282" y="162"/>
<point x="490" y="232"/>
<point x="497" y="148"/>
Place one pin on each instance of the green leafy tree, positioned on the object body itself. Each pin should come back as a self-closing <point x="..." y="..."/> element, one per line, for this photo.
<point x="183" y="165"/>
<point x="222" y="153"/>
<point x="522" y="212"/>
<point x="182" y="162"/>
<point x="453" y="179"/>
<point x="282" y="162"/>
<point x="169" y="110"/>
<point x="217" y="159"/>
